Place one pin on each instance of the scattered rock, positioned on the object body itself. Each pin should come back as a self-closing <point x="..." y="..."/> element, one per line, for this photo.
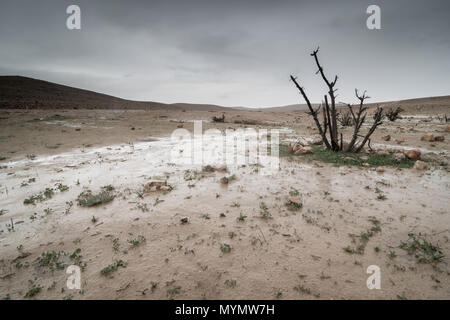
<point x="297" y="147"/>
<point x="365" y="158"/>
<point x="180" y="126"/>
<point x="399" y="156"/>
<point x="427" y="137"/>
<point x="289" y="149"/>
<point x="439" y="138"/>
<point x="382" y="152"/>
<point x="157" y="186"/>
<point x="447" y="128"/>
<point x="420" y="165"/>
<point x="380" y="169"/>
<point x="386" y="138"/>
<point x="224" y="180"/>
<point x="184" y="220"/>
<point x="165" y="188"/>
<point x="209" y="168"/>
<point x="365" y="164"/>
<point x="317" y="141"/>
<point x="413" y="154"/>
<point x="400" y="140"/>
<point x="303" y="150"/>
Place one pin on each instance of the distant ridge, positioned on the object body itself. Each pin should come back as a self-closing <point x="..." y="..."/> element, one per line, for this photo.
<point x="18" y="92"/>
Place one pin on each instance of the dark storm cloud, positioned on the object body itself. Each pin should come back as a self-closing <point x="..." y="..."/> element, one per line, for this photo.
<point x="230" y="52"/>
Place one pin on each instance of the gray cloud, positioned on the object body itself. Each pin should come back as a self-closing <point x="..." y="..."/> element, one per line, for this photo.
<point x="230" y="52"/>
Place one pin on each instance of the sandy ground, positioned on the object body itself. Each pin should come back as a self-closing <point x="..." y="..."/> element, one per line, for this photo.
<point x="287" y="255"/>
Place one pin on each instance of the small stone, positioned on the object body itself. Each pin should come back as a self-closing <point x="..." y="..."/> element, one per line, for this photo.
<point x="386" y="138"/>
<point x="382" y="152"/>
<point x="427" y="137"/>
<point x="157" y="186"/>
<point x="447" y="128"/>
<point x="365" y="158"/>
<point x="303" y="150"/>
<point x="413" y="154"/>
<point x="208" y="168"/>
<point x="399" y="156"/>
<point x="289" y="149"/>
<point x="297" y="147"/>
<point x="400" y="140"/>
<point x="224" y="180"/>
<point x="380" y="169"/>
<point x="420" y="165"/>
<point x="365" y="164"/>
<point x="439" y="138"/>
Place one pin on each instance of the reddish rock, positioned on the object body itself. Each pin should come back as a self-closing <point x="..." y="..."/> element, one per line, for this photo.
<point x="413" y="154"/>
<point x="303" y="150"/>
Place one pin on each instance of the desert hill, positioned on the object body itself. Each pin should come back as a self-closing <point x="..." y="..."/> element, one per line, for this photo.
<point x="17" y="92"/>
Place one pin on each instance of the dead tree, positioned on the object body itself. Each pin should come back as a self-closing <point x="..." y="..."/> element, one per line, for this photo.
<point x="330" y="115"/>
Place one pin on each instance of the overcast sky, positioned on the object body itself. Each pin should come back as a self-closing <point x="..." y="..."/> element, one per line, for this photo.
<point x="232" y="53"/>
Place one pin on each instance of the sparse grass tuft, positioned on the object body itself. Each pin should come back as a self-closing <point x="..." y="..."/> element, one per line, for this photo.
<point x="61" y="187"/>
<point x="171" y="292"/>
<point x="34" y="289"/>
<point x="241" y="217"/>
<point x="113" y="267"/>
<point x="225" y="248"/>
<point x="51" y="260"/>
<point x="350" y="159"/>
<point x="42" y="196"/>
<point x="264" y="213"/>
<point x="137" y="242"/>
<point x="423" y="250"/>
<point x="362" y="240"/>
<point x="231" y="283"/>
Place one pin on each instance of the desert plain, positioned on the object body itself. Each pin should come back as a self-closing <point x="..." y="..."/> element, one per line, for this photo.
<point x="197" y="237"/>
